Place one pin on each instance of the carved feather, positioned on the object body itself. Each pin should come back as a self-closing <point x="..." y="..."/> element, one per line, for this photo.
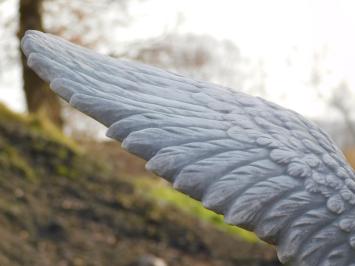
<point x="264" y="167"/>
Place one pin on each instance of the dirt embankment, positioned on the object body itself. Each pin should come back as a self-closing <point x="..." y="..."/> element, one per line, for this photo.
<point x="59" y="206"/>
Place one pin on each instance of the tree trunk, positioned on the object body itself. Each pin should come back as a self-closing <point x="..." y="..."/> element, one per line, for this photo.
<point x="39" y="98"/>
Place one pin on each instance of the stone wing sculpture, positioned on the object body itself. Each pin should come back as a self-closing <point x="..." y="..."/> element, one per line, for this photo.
<point x="266" y="168"/>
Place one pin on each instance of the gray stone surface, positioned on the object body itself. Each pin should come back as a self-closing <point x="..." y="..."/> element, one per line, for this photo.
<point x="150" y="260"/>
<point x="266" y="168"/>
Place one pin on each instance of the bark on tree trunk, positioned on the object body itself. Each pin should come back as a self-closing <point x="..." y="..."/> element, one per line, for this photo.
<point x="39" y="98"/>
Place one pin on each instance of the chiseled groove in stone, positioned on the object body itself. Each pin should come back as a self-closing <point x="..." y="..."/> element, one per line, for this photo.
<point x="179" y="180"/>
<point x="160" y="120"/>
<point x="152" y="97"/>
<point x="85" y="104"/>
<point x="321" y="249"/>
<point x="217" y="150"/>
<point x="307" y="206"/>
<point x="296" y="225"/>
<point x="131" y="139"/>
<point x="327" y="253"/>
<point x="241" y="190"/>
<point x="318" y="231"/>
<point x="273" y="238"/>
<point x="266" y="204"/>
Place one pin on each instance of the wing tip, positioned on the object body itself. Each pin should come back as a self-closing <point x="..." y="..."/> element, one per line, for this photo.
<point x="30" y="45"/>
<point x="28" y="41"/>
<point x="38" y="64"/>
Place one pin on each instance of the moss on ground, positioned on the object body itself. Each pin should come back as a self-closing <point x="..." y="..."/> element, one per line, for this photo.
<point x="34" y="126"/>
<point x="162" y="192"/>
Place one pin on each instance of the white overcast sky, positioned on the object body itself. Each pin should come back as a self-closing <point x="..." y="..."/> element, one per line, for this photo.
<point x="285" y="34"/>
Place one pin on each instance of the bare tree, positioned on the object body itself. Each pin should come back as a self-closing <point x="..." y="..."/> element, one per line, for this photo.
<point x="201" y="57"/>
<point x="339" y="100"/>
<point x="39" y="98"/>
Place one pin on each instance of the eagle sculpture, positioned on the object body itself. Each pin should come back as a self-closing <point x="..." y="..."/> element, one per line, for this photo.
<point x="265" y="168"/>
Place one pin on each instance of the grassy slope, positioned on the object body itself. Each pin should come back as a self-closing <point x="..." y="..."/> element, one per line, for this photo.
<point x="132" y="168"/>
<point x="58" y="206"/>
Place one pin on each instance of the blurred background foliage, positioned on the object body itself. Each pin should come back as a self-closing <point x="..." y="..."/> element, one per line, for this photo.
<point x="61" y="205"/>
<point x="197" y="55"/>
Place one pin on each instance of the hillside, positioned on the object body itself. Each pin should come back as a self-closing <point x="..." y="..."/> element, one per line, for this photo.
<point x="62" y="204"/>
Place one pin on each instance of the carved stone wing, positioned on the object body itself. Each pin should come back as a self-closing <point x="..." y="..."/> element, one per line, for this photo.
<point x="266" y="168"/>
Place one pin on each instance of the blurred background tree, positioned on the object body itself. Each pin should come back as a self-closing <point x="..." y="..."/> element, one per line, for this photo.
<point x="39" y="98"/>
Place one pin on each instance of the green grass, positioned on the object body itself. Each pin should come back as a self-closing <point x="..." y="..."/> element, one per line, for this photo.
<point x="163" y="192"/>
